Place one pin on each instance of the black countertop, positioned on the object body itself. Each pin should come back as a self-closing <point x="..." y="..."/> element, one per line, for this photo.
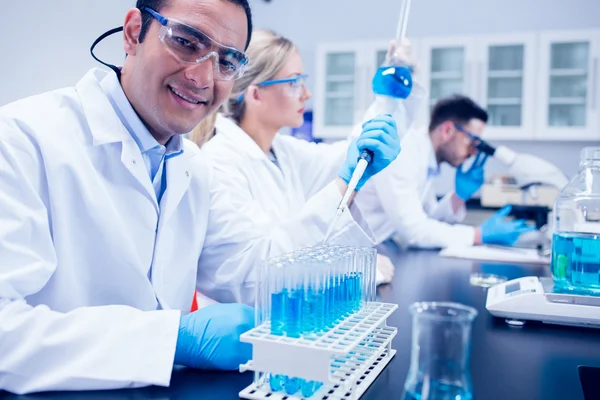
<point x="536" y="361"/>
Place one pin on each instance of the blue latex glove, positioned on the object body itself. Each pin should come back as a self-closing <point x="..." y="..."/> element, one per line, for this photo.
<point x="496" y="230"/>
<point x="210" y="337"/>
<point x="381" y="137"/>
<point x="469" y="181"/>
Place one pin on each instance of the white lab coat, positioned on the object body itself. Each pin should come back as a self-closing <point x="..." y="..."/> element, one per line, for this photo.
<point x="92" y="278"/>
<point x="400" y="202"/>
<point x="272" y="193"/>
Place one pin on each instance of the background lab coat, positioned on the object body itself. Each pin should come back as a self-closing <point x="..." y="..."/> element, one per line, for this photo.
<point x="92" y="281"/>
<point x="400" y="201"/>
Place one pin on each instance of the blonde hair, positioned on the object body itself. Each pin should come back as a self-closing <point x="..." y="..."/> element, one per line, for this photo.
<point x="268" y="52"/>
<point x="204" y="130"/>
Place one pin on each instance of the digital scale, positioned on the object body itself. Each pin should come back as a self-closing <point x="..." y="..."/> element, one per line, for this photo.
<point x="533" y="298"/>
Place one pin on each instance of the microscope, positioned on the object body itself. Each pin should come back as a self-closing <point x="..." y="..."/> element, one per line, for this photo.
<point x="536" y="183"/>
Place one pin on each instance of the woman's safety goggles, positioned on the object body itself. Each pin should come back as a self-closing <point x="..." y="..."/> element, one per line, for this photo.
<point x="295" y="86"/>
<point x="191" y="46"/>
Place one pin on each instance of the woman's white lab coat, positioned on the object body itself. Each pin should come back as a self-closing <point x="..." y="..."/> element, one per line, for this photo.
<point x="400" y="202"/>
<point x="93" y="274"/>
<point x="272" y="194"/>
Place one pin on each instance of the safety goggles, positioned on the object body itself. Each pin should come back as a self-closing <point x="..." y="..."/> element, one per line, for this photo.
<point x="191" y="46"/>
<point x="475" y="140"/>
<point x="295" y="86"/>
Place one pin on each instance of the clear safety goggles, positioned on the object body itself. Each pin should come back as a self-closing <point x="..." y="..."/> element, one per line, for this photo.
<point x="191" y="46"/>
<point x="295" y="86"/>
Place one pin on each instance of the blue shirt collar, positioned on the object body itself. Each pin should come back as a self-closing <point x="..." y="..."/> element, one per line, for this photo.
<point x="132" y="122"/>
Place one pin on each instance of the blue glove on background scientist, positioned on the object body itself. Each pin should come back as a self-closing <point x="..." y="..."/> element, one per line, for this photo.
<point x="495" y="230"/>
<point x="210" y="337"/>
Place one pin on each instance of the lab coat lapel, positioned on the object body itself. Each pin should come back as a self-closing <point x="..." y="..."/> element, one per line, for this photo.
<point x="244" y="144"/>
<point x="106" y="128"/>
<point x="131" y="157"/>
<point x="178" y="181"/>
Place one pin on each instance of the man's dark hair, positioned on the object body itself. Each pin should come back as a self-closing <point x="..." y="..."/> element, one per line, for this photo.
<point x="158" y="5"/>
<point x="458" y="109"/>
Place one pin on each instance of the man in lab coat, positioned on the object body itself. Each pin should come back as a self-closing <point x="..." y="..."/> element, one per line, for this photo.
<point x="108" y="217"/>
<point x="401" y="202"/>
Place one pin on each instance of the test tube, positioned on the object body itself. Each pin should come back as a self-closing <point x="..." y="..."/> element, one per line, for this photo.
<point x="371" y="269"/>
<point x="278" y="297"/>
<point x="293" y="314"/>
<point x="309" y="311"/>
<point x="321" y="293"/>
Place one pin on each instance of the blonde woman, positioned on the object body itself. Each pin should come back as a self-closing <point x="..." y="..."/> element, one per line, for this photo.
<point x="275" y="177"/>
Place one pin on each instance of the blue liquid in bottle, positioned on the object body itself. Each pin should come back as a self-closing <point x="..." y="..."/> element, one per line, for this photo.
<point x="575" y="262"/>
<point x="393" y="81"/>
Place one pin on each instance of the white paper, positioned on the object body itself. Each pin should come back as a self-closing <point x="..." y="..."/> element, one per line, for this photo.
<point x="496" y="254"/>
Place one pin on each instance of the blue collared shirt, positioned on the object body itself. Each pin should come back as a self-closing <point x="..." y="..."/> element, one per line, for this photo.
<point x="153" y="153"/>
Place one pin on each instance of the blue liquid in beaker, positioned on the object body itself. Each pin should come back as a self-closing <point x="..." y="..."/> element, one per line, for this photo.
<point x="576" y="262"/>
<point x="393" y="81"/>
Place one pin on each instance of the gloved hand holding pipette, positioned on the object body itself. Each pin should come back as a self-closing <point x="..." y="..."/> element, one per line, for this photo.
<point x="376" y="147"/>
<point x="379" y="136"/>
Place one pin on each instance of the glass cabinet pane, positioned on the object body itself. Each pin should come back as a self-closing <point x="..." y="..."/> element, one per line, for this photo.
<point x="505" y="84"/>
<point x="447" y="66"/>
<point x="568" y="84"/>
<point x="506" y="58"/>
<point x="506" y="115"/>
<point x="339" y="111"/>
<point x="567" y="115"/>
<point x="569" y="55"/>
<point x="500" y="88"/>
<point x="380" y="57"/>
<point x="339" y="88"/>
<point x="445" y="87"/>
<point x="340" y="63"/>
<point x="447" y="59"/>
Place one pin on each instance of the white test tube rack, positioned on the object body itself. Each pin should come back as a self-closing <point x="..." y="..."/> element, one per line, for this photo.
<point x="346" y="359"/>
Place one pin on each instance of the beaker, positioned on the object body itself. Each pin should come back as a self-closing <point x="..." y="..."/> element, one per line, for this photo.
<point x="441" y="339"/>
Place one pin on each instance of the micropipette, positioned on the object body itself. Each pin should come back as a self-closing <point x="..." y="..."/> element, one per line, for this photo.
<point x="363" y="161"/>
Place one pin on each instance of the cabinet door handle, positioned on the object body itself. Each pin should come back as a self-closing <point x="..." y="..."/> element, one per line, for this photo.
<point x="594" y="87"/>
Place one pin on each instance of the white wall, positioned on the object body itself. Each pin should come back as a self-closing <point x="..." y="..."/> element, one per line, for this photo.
<point x="46" y="43"/>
